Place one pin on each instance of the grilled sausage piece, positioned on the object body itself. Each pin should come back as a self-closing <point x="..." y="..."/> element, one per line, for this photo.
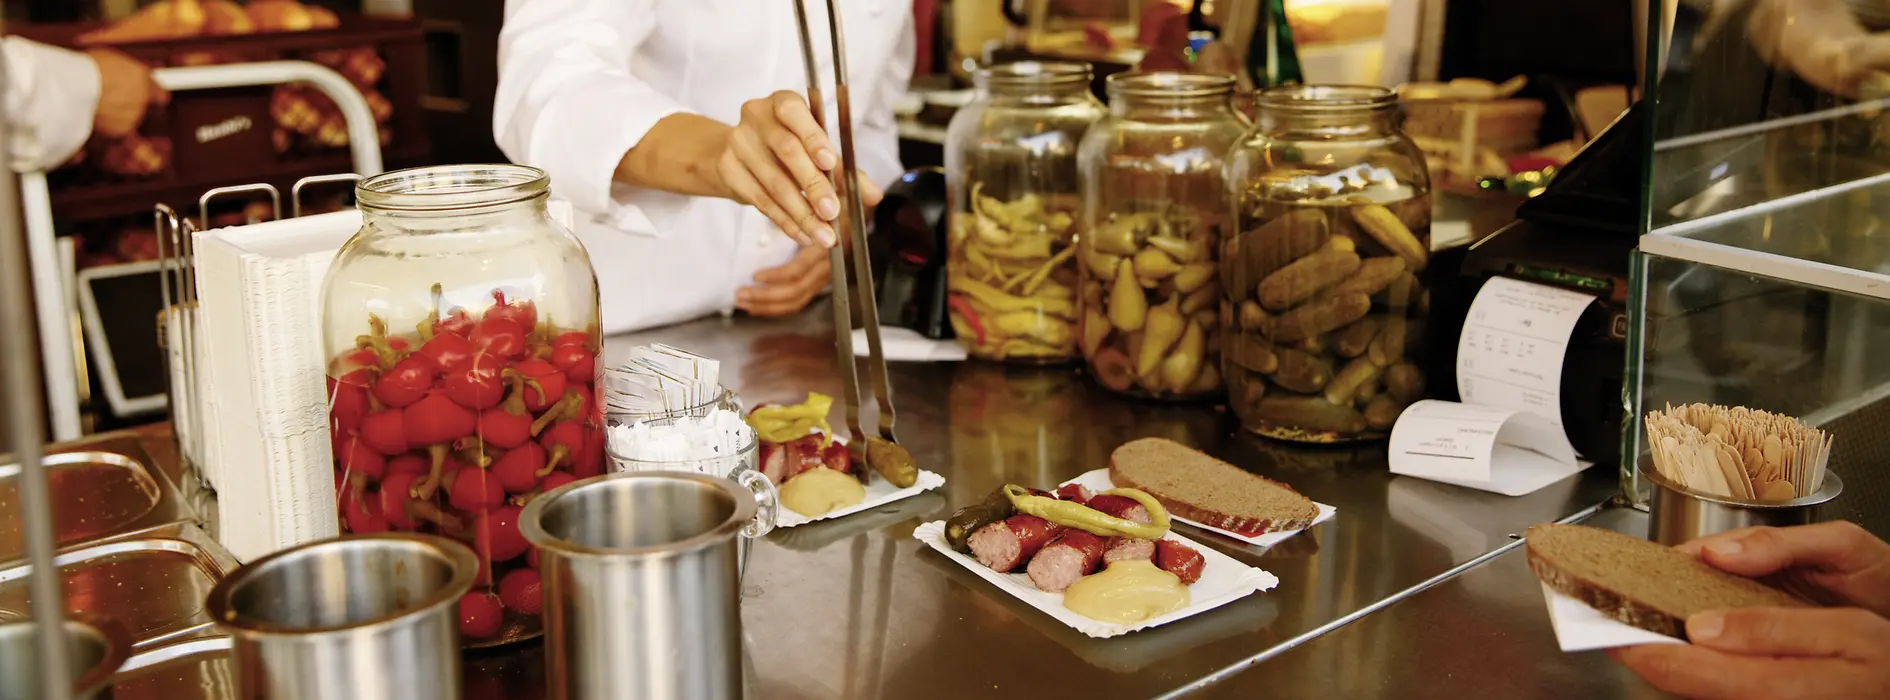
<point x="1121" y="507"/>
<point x="1179" y="559"/>
<point x="1066" y="560"/>
<point x="1129" y="549"/>
<point x="1077" y="493"/>
<point x="1007" y="544"/>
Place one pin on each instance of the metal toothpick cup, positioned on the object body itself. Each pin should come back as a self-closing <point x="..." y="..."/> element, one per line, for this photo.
<point x="1680" y="514"/>
<point x="641" y="590"/>
<point x="97" y="649"/>
<point x="369" y="616"/>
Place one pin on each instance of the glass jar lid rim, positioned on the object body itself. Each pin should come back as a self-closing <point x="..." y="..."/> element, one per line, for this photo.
<point x="450" y="187"/>
<point x="1171" y="84"/>
<point x="1035" y="72"/>
<point x="1326" y="98"/>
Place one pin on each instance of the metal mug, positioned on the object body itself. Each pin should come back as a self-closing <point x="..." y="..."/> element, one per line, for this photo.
<point x="641" y="589"/>
<point x="98" y="648"/>
<point x="367" y="616"/>
<point x="1679" y="514"/>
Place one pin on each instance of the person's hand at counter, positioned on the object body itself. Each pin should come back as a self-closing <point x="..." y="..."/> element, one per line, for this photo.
<point x="126" y="92"/>
<point x="1832" y="652"/>
<point x="1771" y="654"/>
<point x="1834" y="563"/>
<point x="1823" y="42"/>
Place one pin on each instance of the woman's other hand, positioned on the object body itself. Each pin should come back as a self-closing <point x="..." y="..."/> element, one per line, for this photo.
<point x="788" y="288"/>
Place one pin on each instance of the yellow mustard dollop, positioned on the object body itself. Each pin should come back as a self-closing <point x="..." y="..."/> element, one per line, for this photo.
<point x="1127" y="592"/>
<point x="820" y="491"/>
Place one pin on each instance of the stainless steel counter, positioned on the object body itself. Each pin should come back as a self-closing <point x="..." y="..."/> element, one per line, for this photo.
<point x="1415" y="590"/>
<point x="855" y="608"/>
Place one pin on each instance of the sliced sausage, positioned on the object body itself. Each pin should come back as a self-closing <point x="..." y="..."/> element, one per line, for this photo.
<point x="1179" y="559"/>
<point x="1121" y="507"/>
<point x="1007" y="544"/>
<point x="835" y="456"/>
<point x="1066" y="560"/>
<point x="1075" y="493"/>
<point x="1129" y="549"/>
<point x="774" y="461"/>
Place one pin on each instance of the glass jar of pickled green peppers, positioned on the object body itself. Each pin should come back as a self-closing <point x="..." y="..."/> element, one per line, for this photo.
<point x="1154" y="208"/>
<point x="1325" y="298"/>
<point x="1010" y="159"/>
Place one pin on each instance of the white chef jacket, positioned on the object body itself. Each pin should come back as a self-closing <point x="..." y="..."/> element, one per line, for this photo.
<point x="51" y="96"/>
<point x="582" y="81"/>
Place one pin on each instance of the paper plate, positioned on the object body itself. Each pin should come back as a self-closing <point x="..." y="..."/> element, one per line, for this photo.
<point x="1223" y="580"/>
<point x="879" y="492"/>
<point x="1098" y="481"/>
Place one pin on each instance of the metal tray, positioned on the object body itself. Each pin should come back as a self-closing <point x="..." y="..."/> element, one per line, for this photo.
<point x="98" y="494"/>
<point x="193" y="669"/>
<point x="155" y="586"/>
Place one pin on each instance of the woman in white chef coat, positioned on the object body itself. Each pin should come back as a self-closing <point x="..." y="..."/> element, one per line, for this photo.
<point x="56" y="98"/>
<point x="677" y="130"/>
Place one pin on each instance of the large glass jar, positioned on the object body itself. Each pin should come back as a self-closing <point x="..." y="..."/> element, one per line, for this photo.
<point x="1154" y="207"/>
<point x="1010" y="159"/>
<point x="462" y="333"/>
<point x="1324" y="282"/>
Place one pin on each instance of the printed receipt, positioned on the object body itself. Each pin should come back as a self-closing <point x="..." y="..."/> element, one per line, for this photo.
<point x="1514" y="339"/>
<point x="1507" y="435"/>
<point x="1493" y="449"/>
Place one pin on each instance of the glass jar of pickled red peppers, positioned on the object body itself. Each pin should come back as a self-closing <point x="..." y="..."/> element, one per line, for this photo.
<point x="1010" y="162"/>
<point x="1154" y="207"/>
<point x="1324" y="281"/>
<point x="461" y="329"/>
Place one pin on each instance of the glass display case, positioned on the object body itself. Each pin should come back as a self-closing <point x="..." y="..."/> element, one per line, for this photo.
<point x="1763" y="279"/>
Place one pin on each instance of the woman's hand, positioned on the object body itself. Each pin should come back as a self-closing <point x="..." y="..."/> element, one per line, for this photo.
<point x="779" y="160"/>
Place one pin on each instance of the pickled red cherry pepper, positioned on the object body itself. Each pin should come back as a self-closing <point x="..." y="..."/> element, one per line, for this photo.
<point x="454" y="427"/>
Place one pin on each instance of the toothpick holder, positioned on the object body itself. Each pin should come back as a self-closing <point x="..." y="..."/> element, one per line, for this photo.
<point x="1680" y="514"/>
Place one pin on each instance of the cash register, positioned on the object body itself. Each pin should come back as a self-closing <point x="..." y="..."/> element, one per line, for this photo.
<point x="1578" y="233"/>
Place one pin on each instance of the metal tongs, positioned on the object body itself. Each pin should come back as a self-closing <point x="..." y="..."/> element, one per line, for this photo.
<point x="852" y="227"/>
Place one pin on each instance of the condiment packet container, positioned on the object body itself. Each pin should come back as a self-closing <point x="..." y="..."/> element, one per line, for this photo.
<point x="1582" y="628"/>
<point x="1223" y="580"/>
<point x="879" y="492"/>
<point x="1098" y="480"/>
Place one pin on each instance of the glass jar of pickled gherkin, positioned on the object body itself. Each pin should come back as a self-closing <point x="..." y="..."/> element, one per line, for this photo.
<point x="1154" y="208"/>
<point x="1324" y="281"/>
<point x="1010" y="159"/>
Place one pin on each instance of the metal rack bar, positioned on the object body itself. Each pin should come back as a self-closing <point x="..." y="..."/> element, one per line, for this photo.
<point x="58" y="352"/>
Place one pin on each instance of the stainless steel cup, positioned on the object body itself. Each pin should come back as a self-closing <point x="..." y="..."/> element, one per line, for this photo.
<point x="98" y="649"/>
<point x="371" y="616"/>
<point x="1680" y="514"/>
<point x="641" y="590"/>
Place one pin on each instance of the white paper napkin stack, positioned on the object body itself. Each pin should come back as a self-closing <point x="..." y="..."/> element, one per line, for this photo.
<point x="260" y="387"/>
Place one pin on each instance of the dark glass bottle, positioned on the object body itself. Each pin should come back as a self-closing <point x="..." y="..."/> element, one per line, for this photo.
<point x="1272" y="59"/>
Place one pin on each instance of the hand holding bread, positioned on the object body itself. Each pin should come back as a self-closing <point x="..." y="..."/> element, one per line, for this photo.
<point x="1783" y="653"/>
<point x="1834" y="563"/>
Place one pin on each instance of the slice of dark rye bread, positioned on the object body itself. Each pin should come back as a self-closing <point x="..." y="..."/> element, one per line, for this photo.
<point x="1206" y="490"/>
<point x="1644" y="584"/>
